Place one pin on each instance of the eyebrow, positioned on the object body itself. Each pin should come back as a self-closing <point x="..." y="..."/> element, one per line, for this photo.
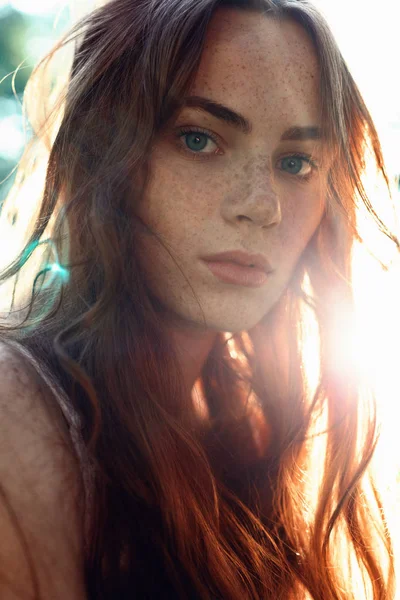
<point x="239" y="122"/>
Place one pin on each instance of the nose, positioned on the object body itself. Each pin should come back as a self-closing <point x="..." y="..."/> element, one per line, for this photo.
<point x="259" y="204"/>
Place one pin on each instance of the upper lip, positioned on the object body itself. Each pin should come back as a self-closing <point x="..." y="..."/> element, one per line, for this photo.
<point x="242" y="258"/>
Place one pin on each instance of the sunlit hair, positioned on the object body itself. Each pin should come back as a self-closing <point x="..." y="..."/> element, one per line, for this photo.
<point x="182" y="510"/>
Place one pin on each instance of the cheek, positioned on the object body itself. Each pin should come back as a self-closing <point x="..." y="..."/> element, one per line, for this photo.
<point x="179" y="207"/>
<point x="168" y="210"/>
<point x="164" y="205"/>
<point x="300" y="220"/>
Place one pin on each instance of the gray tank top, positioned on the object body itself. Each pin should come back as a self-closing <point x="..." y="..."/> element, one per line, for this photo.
<point x="74" y="425"/>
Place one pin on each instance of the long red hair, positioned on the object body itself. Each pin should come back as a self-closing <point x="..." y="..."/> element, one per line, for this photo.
<point x="180" y="509"/>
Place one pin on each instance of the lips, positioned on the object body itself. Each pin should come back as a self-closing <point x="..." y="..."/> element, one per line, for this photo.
<point x="240" y="257"/>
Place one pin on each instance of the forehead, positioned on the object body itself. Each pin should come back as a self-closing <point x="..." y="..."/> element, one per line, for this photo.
<point x="260" y="65"/>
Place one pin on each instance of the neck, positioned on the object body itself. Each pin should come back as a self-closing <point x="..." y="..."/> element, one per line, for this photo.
<point x="193" y="348"/>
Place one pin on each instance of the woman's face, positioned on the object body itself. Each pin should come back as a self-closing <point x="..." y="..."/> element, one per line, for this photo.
<point x="215" y="188"/>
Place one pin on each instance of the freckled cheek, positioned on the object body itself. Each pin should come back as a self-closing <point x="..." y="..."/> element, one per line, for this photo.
<point x="300" y="219"/>
<point x="178" y="209"/>
<point x="179" y="215"/>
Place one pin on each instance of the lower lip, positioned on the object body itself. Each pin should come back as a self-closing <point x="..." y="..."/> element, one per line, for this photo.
<point x="238" y="274"/>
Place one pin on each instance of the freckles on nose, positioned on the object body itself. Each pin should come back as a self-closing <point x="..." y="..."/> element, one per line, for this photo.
<point x="251" y="174"/>
<point x="242" y="173"/>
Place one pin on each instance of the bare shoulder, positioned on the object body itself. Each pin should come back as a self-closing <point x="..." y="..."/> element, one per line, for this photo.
<point x="40" y="491"/>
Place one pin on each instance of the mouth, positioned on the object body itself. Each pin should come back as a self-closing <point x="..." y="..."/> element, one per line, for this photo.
<point x="230" y="272"/>
<point x="245" y="259"/>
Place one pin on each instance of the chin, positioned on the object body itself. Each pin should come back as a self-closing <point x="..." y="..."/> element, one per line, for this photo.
<point x="231" y="323"/>
<point x="226" y="316"/>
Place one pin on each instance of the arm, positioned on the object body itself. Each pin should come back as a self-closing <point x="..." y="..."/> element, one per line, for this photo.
<point x="40" y="481"/>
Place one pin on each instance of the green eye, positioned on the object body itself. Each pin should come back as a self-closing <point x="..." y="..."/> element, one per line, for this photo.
<point x="299" y="165"/>
<point x="196" y="141"/>
<point x="292" y="164"/>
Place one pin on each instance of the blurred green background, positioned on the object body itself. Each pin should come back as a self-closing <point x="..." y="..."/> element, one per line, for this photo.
<point x="28" y="29"/>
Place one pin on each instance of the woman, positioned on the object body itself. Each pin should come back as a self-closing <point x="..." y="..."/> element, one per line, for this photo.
<point x="201" y="197"/>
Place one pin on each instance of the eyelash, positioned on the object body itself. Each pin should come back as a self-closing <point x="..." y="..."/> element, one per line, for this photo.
<point x="182" y="131"/>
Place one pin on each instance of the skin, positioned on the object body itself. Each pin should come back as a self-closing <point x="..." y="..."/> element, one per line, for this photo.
<point x="235" y="194"/>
